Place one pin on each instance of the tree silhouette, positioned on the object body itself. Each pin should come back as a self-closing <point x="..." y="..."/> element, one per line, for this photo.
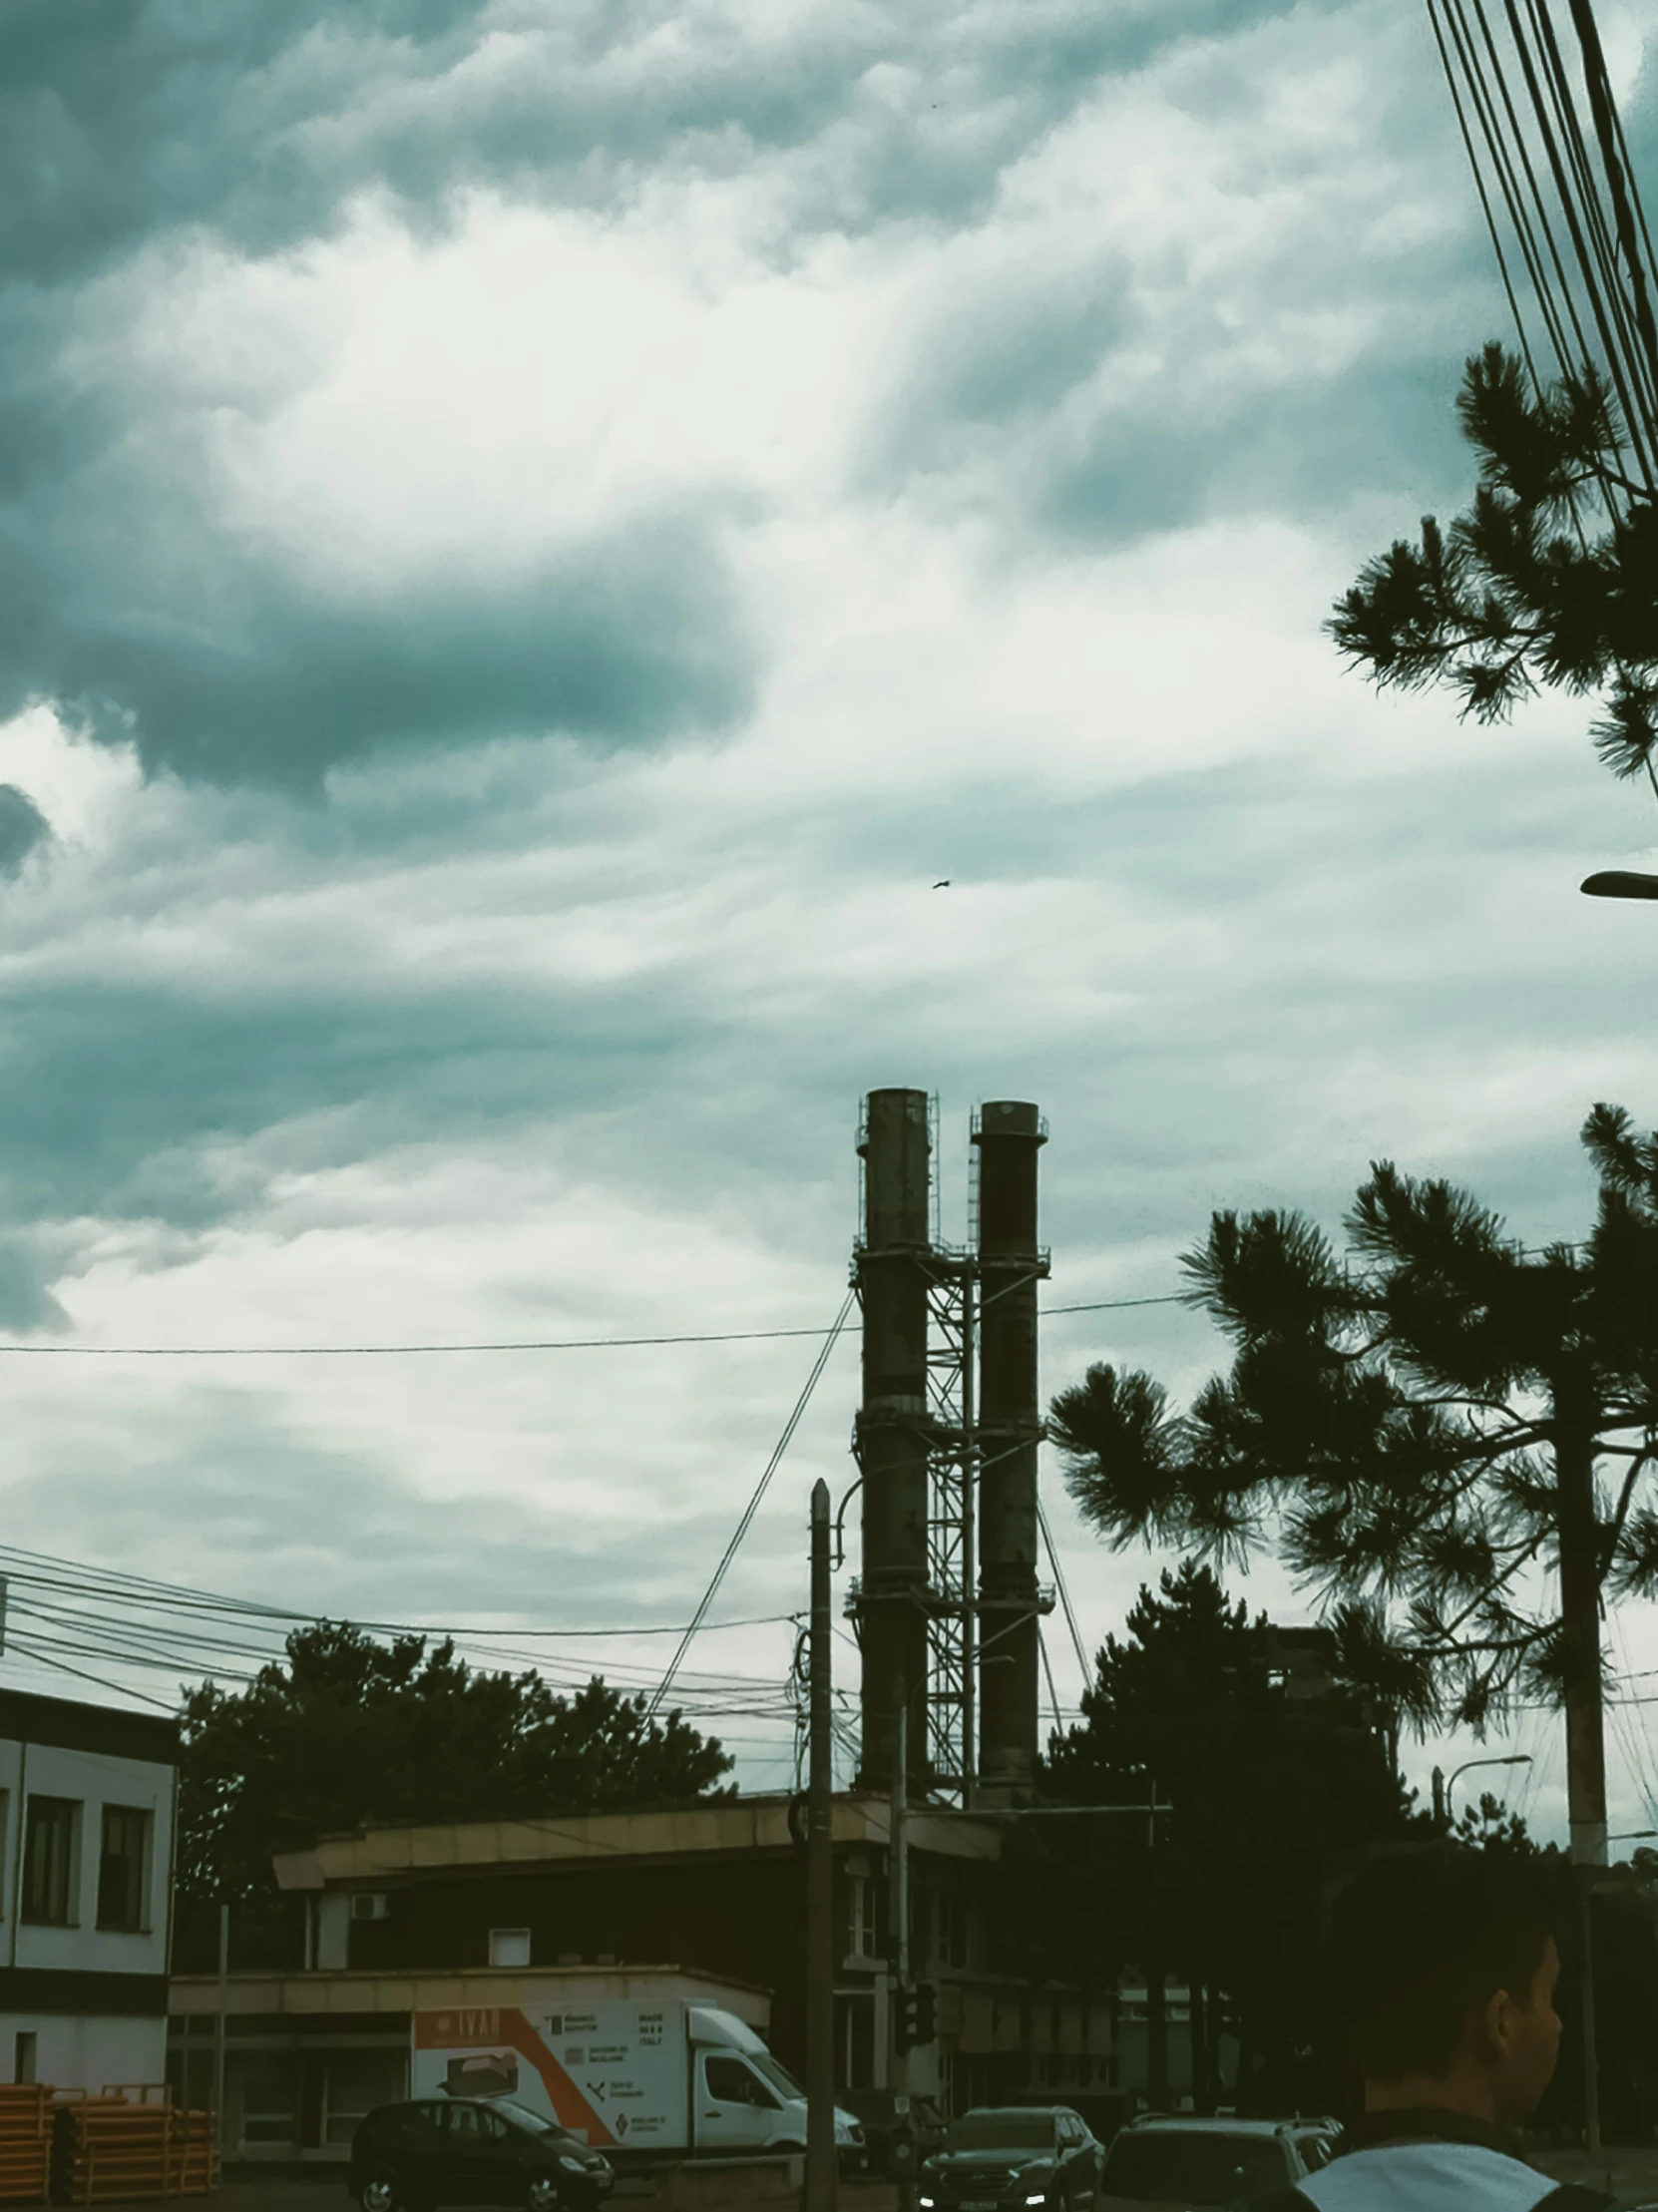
<point x="1519" y="593"/>
<point x="1268" y="1787"/>
<point x="352" y="1730"/>
<point x="1434" y="1425"/>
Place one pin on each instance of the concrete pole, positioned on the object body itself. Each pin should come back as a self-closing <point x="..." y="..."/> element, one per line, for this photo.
<point x="899" y="2067"/>
<point x="901" y="1863"/>
<point x="219" y="2024"/>
<point x="820" y="1884"/>
<point x="1579" y="1535"/>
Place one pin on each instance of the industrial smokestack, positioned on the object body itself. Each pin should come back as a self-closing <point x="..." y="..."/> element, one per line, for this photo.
<point x="1008" y="1134"/>
<point x="892" y="1433"/>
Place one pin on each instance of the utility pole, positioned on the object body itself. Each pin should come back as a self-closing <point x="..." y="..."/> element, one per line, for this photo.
<point x="897" y="2077"/>
<point x="899" y="2046"/>
<point x="1579" y="1538"/>
<point x="1156" y="1983"/>
<point x="219" y="2024"/>
<point x="820" y="1884"/>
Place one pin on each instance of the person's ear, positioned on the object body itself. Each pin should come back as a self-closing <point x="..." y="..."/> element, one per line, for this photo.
<point x="1498" y="2021"/>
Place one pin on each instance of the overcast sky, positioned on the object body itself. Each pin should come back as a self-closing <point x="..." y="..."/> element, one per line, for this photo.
<point x="530" y="536"/>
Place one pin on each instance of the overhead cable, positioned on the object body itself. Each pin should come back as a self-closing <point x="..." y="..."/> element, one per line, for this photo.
<point x="1083" y="1667"/>
<point x="753" y="1506"/>
<point x="506" y="1344"/>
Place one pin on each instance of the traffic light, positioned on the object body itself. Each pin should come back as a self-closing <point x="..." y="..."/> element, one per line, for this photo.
<point x="916" y="2015"/>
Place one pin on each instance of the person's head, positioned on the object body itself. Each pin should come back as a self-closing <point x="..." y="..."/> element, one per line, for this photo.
<point x="1442" y="1965"/>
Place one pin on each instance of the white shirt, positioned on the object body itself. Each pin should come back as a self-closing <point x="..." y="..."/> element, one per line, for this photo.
<point x="1427" y="2177"/>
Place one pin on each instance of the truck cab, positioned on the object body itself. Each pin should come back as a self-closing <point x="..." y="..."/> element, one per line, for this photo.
<point x="745" y="2099"/>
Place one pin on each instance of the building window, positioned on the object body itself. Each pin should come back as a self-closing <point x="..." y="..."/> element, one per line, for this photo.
<point x="23" y="2056"/>
<point x="854" y="2040"/>
<point x="953" y="1930"/>
<point x="121" y="1868"/>
<point x="860" y="1931"/>
<point x="509" y="1946"/>
<point x="49" y="1855"/>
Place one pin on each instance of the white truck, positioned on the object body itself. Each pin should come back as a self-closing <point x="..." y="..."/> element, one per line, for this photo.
<point x="670" y="2078"/>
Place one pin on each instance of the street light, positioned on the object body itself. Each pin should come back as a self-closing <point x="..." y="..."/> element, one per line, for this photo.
<point x="1445" y="1812"/>
<point x="1619" y="883"/>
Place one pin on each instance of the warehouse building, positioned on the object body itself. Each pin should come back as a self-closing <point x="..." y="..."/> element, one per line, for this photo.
<point x="719" y="1887"/>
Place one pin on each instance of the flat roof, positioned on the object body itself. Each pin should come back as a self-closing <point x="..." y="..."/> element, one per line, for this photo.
<point x="726" y="1824"/>
<point x="106" y="1730"/>
<point x="359" y="1991"/>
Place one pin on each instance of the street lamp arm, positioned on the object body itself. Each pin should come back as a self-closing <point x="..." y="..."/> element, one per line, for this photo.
<point x="1619" y="883"/>
<point x="1513" y="1759"/>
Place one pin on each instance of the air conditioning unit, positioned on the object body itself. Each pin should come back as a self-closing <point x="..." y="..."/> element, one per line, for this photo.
<point x="370" y="1905"/>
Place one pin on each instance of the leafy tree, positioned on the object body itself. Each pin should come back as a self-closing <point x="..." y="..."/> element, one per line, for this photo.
<point x="1521" y="591"/>
<point x="352" y="1730"/>
<point x="1431" y="1421"/>
<point x="1267" y="1794"/>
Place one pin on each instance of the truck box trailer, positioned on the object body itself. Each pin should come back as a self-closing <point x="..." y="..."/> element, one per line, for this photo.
<point x="666" y="2077"/>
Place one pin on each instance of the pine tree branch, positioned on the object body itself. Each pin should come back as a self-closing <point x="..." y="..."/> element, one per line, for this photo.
<point x="1526" y="1553"/>
<point x="1620" y="1515"/>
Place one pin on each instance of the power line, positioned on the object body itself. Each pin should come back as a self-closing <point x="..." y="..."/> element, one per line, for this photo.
<point x="1602" y="259"/>
<point x="143" y="1590"/>
<point x="1064" y="1598"/>
<point x="505" y="1344"/>
<point x="120" y="1690"/>
<point x="383" y="1351"/>
<point x="1047" y="1671"/>
<point x="753" y="1506"/>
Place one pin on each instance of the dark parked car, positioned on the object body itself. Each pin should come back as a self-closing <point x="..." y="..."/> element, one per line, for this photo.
<point x="882" y="2124"/>
<point x="472" y="2150"/>
<point x="1039" y="2156"/>
<point x="1189" y="2163"/>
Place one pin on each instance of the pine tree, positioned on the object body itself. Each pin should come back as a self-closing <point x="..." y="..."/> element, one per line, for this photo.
<point x="1267" y="1789"/>
<point x="1521" y="591"/>
<point x="1433" y="1426"/>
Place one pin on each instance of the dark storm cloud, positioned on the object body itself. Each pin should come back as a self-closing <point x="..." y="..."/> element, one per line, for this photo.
<point x="22" y="827"/>
<point x="122" y="118"/>
<point x="123" y="123"/>
<point x="121" y="1101"/>
<point x="221" y="667"/>
<point x="1306" y="446"/>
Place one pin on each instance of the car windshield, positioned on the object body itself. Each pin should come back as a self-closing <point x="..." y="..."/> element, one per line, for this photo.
<point x="520" y="2115"/>
<point x="779" y="2076"/>
<point x="1002" y="2131"/>
<point x="1205" y="2168"/>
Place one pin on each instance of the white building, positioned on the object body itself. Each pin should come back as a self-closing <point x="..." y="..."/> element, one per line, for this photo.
<point x="88" y="1811"/>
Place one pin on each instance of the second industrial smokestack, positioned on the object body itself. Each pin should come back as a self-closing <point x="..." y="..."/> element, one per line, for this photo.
<point x="1008" y="1134"/>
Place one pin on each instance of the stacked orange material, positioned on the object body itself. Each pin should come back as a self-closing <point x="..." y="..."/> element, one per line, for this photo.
<point x="109" y="2150"/>
<point x="25" y="2141"/>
